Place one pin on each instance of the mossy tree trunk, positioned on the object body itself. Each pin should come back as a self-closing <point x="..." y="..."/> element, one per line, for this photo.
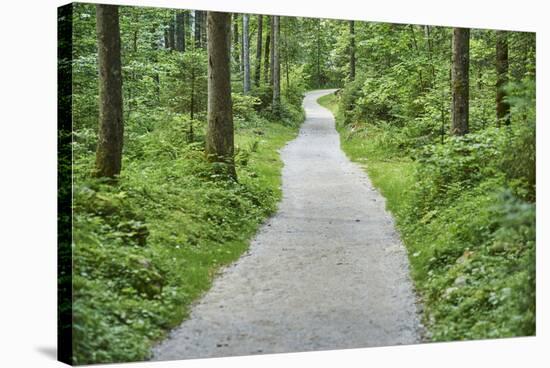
<point x="503" y="107"/>
<point x="219" y="135"/>
<point x="460" y="80"/>
<point x="111" y="127"/>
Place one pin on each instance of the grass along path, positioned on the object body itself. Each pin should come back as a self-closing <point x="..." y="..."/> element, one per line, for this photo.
<point x="145" y="249"/>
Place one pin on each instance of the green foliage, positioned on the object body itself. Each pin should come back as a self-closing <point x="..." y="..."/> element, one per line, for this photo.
<point x="294" y="86"/>
<point x="187" y="80"/>
<point x="473" y="262"/>
<point x="459" y="164"/>
<point x="146" y="248"/>
<point x="245" y="107"/>
<point x="519" y="159"/>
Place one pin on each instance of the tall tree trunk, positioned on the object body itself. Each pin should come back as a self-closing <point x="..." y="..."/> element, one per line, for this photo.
<point x="219" y="135"/>
<point x="171" y="34"/>
<point x="180" y="31"/>
<point x="460" y="80"/>
<point x="111" y="127"/>
<point x="272" y="47"/>
<point x="198" y="15"/>
<point x="503" y="107"/>
<point x="287" y="57"/>
<point x="236" y="43"/>
<point x="276" y="68"/>
<point x="246" y="54"/>
<point x="267" y="55"/>
<point x="241" y="44"/>
<point x="257" y="73"/>
<point x="352" y="50"/>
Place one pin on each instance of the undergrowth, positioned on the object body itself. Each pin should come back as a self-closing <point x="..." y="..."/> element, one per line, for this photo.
<point x="467" y="219"/>
<point x="147" y="247"/>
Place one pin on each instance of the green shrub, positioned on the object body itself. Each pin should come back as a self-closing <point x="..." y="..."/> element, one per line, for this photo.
<point x="455" y="166"/>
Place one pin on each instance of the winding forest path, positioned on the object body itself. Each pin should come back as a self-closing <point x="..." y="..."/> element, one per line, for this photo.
<point x="328" y="271"/>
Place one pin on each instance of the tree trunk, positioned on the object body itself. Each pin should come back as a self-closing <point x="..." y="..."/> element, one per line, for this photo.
<point x="204" y="37"/>
<point x="198" y="15"/>
<point x="180" y="33"/>
<point x="276" y="68"/>
<point x="246" y="55"/>
<point x="460" y="80"/>
<point x="219" y="135"/>
<point x="171" y="34"/>
<point x="267" y="55"/>
<point x="236" y="48"/>
<point x="287" y="57"/>
<point x="111" y="127"/>
<point x="272" y="47"/>
<point x="503" y="107"/>
<point x="352" y="50"/>
<point x="258" y="70"/>
<point x="241" y="44"/>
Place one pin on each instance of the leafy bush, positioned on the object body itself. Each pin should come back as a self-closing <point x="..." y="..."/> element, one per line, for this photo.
<point x="457" y="165"/>
<point x="244" y="106"/>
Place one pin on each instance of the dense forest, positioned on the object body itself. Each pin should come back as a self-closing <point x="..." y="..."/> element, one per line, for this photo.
<point x="178" y="116"/>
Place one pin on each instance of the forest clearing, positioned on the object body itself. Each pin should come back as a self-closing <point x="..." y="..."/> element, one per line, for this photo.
<point x="248" y="184"/>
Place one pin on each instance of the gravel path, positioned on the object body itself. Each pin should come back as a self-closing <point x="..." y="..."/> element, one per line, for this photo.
<point x="328" y="271"/>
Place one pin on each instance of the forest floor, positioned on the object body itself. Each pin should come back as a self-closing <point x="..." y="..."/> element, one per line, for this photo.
<point x="327" y="271"/>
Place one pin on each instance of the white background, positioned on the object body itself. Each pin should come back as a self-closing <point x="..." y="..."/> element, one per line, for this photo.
<point x="28" y="179"/>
